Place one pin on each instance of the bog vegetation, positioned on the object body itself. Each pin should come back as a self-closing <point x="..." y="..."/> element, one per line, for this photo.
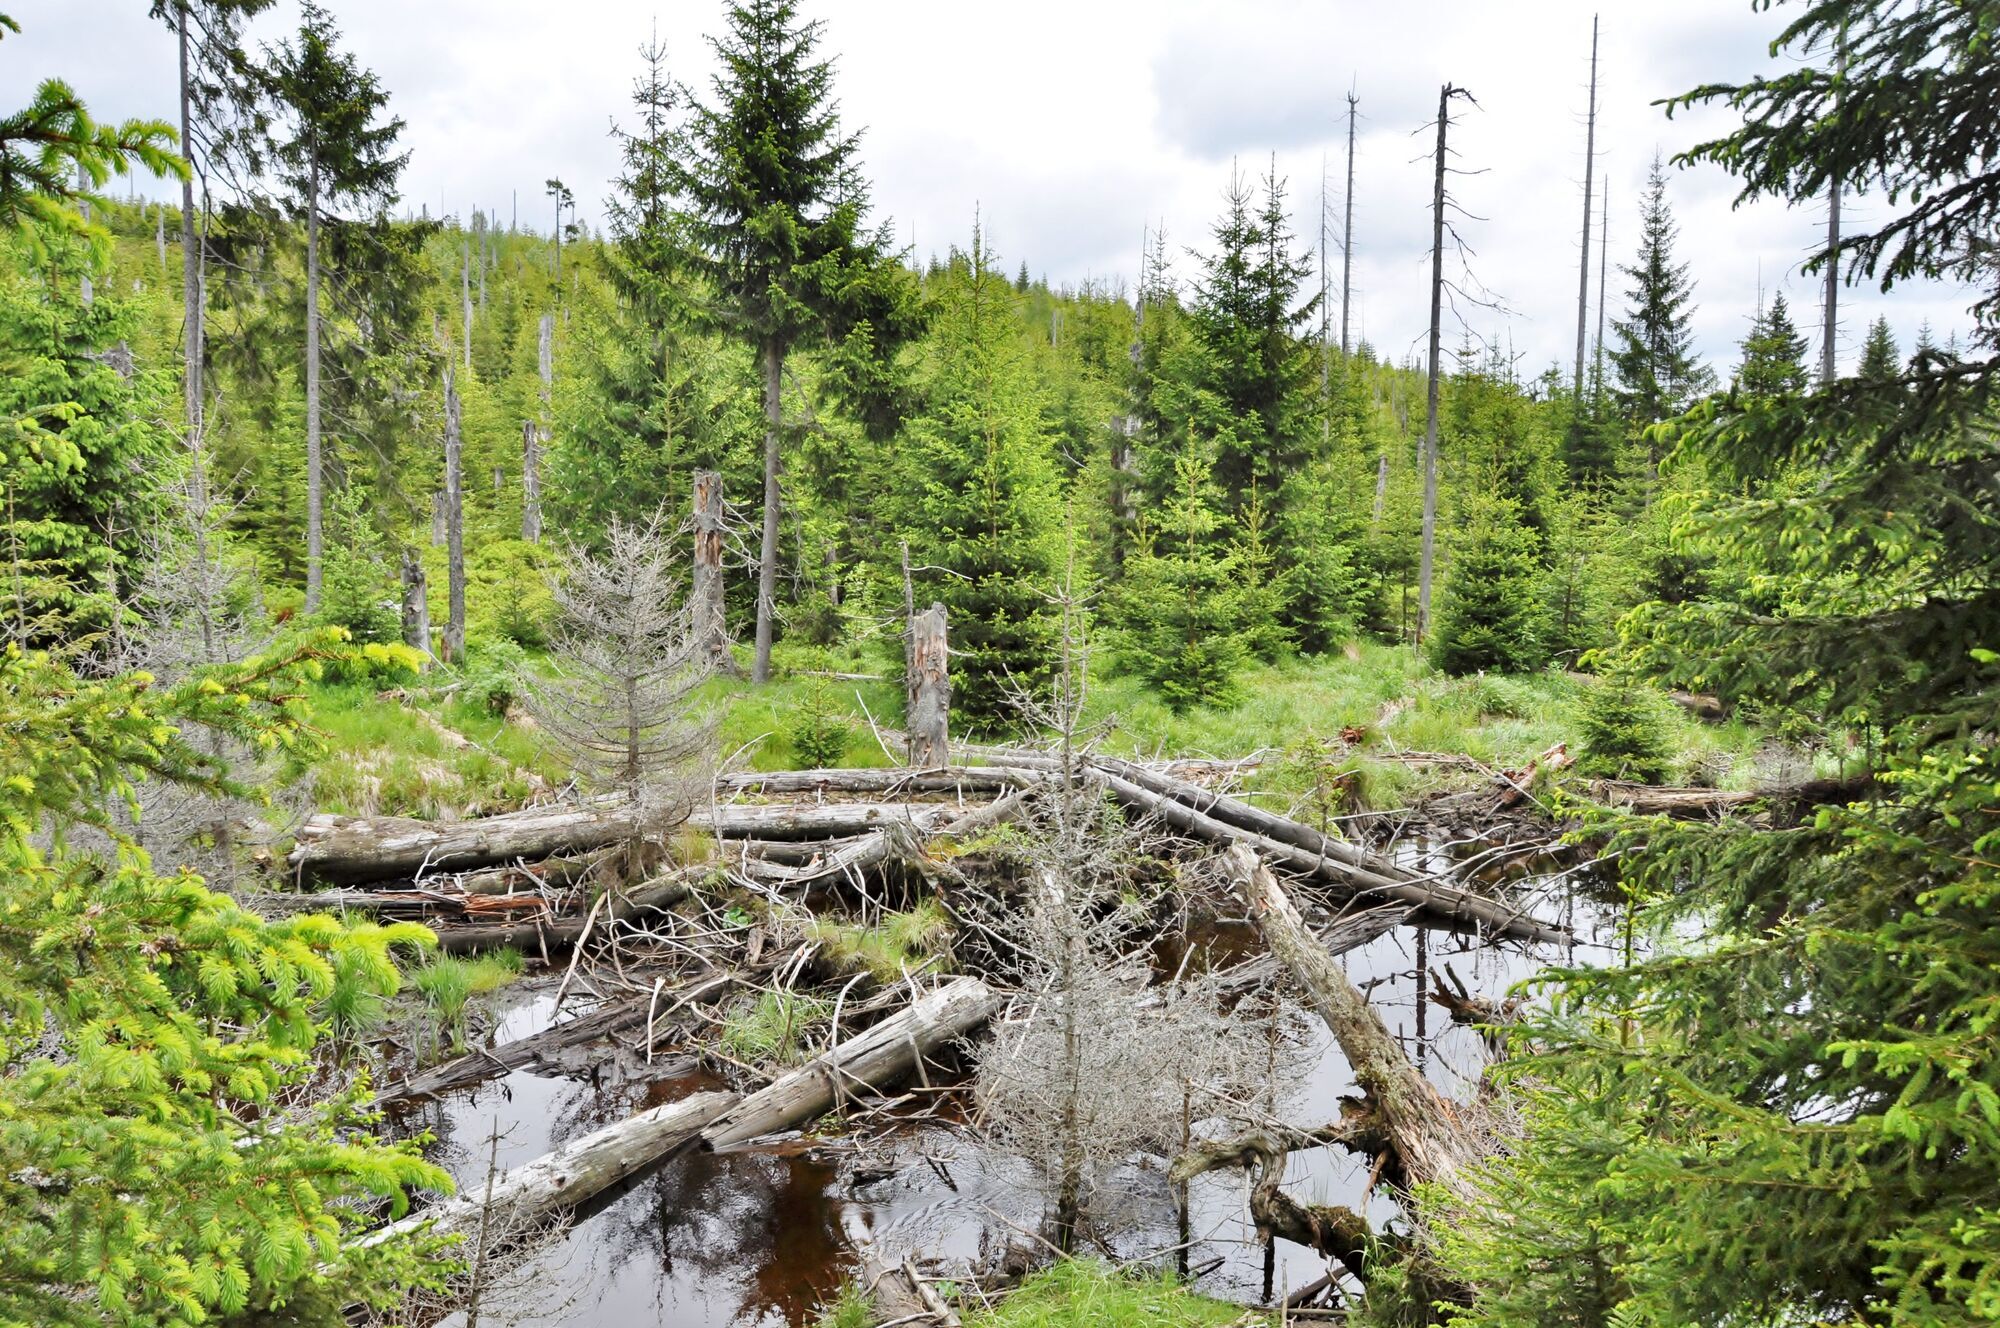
<point x="316" y="506"/>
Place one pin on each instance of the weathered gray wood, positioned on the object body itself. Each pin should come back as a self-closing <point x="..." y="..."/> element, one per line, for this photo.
<point x="949" y="779"/>
<point x="454" y="524"/>
<point x="416" y="604"/>
<point x="1429" y="1135"/>
<point x="569" y="1175"/>
<point x="349" y="849"/>
<point x="929" y="720"/>
<point x="872" y="1059"/>
<point x="711" y="631"/>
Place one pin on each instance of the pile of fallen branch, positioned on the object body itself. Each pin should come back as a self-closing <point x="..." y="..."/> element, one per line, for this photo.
<point x="529" y="878"/>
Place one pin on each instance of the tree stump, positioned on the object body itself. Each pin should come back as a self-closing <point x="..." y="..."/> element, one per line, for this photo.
<point x="930" y="690"/>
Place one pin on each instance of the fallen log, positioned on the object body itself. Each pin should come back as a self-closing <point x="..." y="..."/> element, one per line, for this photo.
<point x="1443" y="903"/>
<point x="868" y="1060"/>
<point x="948" y="779"/>
<point x="1429" y="1136"/>
<point x="338" y="849"/>
<point x="570" y="1175"/>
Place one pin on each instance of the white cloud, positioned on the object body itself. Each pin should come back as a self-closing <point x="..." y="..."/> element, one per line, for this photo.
<point x="1074" y="126"/>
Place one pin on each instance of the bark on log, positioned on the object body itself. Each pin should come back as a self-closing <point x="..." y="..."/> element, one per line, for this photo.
<point x="1428" y="1135"/>
<point x="1700" y="704"/>
<point x="571" y="1174"/>
<point x="869" y="1060"/>
<point x="542" y="935"/>
<point x="929" y="720"/>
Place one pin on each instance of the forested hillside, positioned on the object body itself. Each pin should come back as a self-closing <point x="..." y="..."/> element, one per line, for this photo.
<point x="825" y="665"/>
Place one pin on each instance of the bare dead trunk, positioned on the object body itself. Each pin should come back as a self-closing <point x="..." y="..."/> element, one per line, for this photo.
<point x="1428" y="559"/>
<point x="767" y="558"/>
<point x="315" y="477"/>
<point x="454" y="516"/>
<point x="1589" y="178"/>
<point x="870" y="1060"/>
<point x="710" y="621"/>
<point x="465" y="298"/>
<point x="535" y="436"/>
<point x="416" y="604"/>
<point x="930" y="691"/>
<point x="191" y="267"/>
<point x="1347" y="237"/>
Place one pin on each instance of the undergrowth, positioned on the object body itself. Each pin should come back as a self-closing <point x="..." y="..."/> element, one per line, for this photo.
<point x="895" y="945"/>
<point x="778" y="1027"/>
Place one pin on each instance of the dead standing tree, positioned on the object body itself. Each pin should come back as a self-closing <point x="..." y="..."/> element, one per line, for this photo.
<point x="620" y="700"/>
<point x="711" y="625"/>
<point x="929" y="685"/>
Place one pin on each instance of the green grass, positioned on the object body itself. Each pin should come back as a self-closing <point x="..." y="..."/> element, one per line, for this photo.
<point x="1334" y="724"/>
<point x="1082" y="1293"/>
<point x="776" y="1028"/>
<point x="447" y="984"/>
<point x="895" y="945"/>
<point x="851" y="1309"/>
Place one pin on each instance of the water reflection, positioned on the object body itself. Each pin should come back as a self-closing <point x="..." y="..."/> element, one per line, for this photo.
<point x="764" y="1236"/>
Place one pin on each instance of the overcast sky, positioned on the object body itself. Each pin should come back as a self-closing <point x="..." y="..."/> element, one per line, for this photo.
<point x="1076" y="124"/>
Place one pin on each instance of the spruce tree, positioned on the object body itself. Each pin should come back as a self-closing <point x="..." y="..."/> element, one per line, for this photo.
<point x="1491" y="618"/>
<point x="1798" y="1117"/>
<point x="338" y="151"/>
<point x="1774" y="354"/>
<point x="776" y="206"/>
<point x="1658" y="374"/>
<point x="1881" y="361"/>
<point x="1247" y="312"/>
<point x="981" y="494"/>
<point x="1181" y="608"/>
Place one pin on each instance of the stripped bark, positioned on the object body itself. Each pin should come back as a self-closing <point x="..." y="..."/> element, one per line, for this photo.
<point x="711" y="629"/>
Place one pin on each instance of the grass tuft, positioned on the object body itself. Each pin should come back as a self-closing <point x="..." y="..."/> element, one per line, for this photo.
<point x="897" y="944"/>
<point x="777" y="1028"/>
<point x="1083" y="1293"/>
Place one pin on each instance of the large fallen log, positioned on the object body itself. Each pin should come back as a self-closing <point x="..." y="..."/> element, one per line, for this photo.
<point x="544" y="935"/>
<point x="948" y="779"/>
<point x="338" y="849"/>
<point x="1439" y="902"/>
<point x="537" y="1190"/>
<point x="872" y="1059"/>
<point x="1429" y="1136"/>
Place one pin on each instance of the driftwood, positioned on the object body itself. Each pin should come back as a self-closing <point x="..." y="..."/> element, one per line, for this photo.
<point x="571" y="1174"/>
<point x="869" y="1060"/>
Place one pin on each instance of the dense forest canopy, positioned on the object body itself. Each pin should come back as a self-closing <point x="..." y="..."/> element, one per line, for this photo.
<point x="276" y="437"/>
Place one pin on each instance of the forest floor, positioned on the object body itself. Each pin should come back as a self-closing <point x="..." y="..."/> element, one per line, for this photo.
<point x="1339" y="733"/>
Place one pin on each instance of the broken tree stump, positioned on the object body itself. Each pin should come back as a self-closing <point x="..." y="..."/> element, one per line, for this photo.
<point x="929" y="720"/>
<point x="416" y="604"/>
<point x="711" y="630"/>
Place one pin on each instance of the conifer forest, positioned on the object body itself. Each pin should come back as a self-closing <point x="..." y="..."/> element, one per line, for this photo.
<point x="682" y="753"/>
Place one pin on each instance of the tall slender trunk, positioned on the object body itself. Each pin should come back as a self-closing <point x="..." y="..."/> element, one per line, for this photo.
<point x="767" y="565"/>
<point x="1589" y="179"/>
<point x="190" y="249"/>
<point x="465" y="299"/>
<point x="315" y="480"/>
<point x="454" y="524"/>
<point x="1429" y="558"/>
<point x="535" y="435"/>
<point x="1603" y="269"/>
<point x="1831" y="315"/>
<point x="1347" y="234"/>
